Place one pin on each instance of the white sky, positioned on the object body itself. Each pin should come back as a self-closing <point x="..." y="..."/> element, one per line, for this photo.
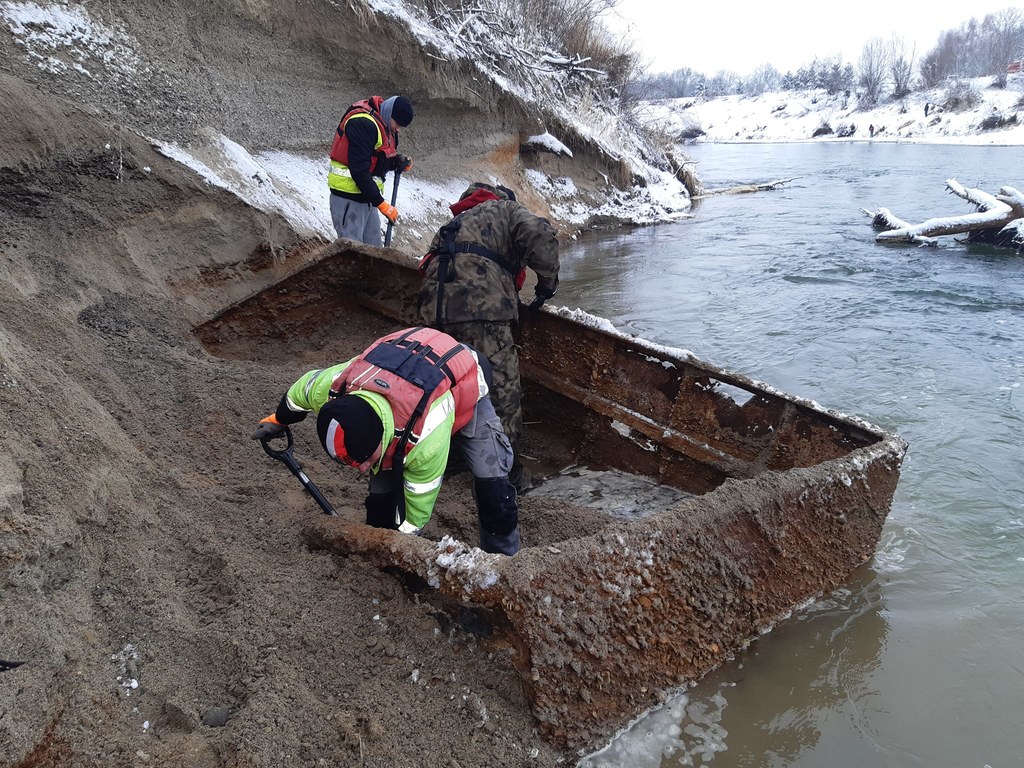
<point x="740" y="35"/>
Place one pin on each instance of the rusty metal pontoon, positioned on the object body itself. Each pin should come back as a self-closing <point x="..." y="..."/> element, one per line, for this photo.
<point x="785" y="499"/>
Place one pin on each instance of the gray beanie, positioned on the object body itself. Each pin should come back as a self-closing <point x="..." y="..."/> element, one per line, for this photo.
<point x="399" y="108"/>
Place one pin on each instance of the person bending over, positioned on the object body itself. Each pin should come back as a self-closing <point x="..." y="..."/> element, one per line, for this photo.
<point x="393" y="413"/>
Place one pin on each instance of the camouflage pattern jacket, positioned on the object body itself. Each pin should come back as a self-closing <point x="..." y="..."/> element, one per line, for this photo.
<point x="478" y="287"/>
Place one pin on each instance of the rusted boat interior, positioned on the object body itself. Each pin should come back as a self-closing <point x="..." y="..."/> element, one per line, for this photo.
<point x="679" y="510"/>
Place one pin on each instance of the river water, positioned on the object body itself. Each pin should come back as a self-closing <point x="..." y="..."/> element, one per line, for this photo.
<point x="919" y="660"/>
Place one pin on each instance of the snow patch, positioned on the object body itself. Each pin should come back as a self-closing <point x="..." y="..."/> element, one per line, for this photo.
<point x="62" y="38"/>
<point x="550" y="143"/>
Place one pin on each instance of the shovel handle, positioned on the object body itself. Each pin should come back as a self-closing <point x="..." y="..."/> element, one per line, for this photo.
<point x="286" y="457"/>
<point x="394" y="197"/>
<point x="278" y="454"/>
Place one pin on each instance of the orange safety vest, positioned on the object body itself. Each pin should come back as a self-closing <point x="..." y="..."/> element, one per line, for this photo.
<point x="388" y="146"/>
<point x="412" y="369"/>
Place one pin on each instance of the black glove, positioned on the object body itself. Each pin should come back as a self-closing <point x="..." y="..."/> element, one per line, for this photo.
<point x="268" y="428"/>
<point x="403" y="163"/>
<point x="539" y="298"/>
<point x="381" y="510"/>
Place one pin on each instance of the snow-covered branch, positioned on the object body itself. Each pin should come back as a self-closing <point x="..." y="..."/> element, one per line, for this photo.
<point x="1012" y="198"/>
<point x="997" y="219"/>
<point x="481" y="32"/>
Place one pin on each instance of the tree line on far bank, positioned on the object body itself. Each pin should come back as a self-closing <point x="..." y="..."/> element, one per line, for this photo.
<point x="885" y="68"/>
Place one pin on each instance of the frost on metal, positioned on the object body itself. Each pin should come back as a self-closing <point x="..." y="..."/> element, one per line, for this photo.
<point x="470" y="566"/>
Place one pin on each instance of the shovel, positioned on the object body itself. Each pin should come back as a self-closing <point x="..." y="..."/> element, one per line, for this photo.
<point x="394" y="196"/>
<point x="286" y="457"/>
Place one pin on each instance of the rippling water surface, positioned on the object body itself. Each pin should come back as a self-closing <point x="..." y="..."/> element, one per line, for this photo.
<point x="920" y="660"/>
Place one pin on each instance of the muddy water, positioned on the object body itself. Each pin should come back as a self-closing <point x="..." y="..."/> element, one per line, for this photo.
<point x="919" y="661"/>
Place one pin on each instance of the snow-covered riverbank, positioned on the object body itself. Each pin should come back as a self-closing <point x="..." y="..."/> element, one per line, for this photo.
<point x="938" y="115"/>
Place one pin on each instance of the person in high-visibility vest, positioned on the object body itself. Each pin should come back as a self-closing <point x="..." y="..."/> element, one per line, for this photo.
<point x="394" y="413"/>
<point x="365" y="148"/>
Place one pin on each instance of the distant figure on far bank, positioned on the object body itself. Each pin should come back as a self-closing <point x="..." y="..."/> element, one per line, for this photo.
<point x="471" y="279"/>
<point x="365" y="148"/>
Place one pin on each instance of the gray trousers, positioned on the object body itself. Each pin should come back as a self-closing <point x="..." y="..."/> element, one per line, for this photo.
<point x="483" y="443"/>
<point x="356" y="221"/>
<point x="488" y="453"/>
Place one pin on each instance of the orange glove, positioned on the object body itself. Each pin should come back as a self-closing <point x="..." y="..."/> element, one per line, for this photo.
<point x="404" y="163"/>
<point x="268" y="428"/>
<point x="388" y="210"/>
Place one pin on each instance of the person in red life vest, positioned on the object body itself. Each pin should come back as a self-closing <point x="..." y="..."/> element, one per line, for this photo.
<point x="365" y="148"/>
<point x="393" y="412"/>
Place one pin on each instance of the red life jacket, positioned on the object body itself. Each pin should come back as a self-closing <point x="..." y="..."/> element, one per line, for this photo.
<point x="371" y="107"/>
<point x="411" y="369"/>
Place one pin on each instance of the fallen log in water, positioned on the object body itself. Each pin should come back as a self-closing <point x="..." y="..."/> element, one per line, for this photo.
<point x="745" y="188"/>
<point x="997" y="219"/>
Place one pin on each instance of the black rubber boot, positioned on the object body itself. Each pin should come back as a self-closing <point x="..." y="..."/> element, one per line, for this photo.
<point x="519" y="475"/>
<point x="500" y="545"/>
<point x="382" y="511"/>
<point x="499" y="515"/>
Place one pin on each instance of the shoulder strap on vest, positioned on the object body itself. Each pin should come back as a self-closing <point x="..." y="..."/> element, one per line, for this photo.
<point x="422" y="378"/>
<point x="446" y="252"/>
<point x="487" y="253"/>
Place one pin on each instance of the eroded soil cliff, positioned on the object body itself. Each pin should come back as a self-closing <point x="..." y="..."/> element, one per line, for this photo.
<point x="152" y="568"/>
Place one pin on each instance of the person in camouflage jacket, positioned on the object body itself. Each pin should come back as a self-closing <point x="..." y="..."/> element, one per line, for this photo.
<point x="471" y="279"/>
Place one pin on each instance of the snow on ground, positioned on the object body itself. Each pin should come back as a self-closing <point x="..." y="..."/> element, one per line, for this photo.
<point x="59" y="38"/>
<point x="295" y="186"/>
<point x="62" y="36"/>
<point x="660" y="201"/>
<point x="795" y="116"/>
<point x="550" y="143"/>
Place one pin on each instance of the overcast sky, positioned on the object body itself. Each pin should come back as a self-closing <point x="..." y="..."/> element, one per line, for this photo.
<point x="739" y="35"/>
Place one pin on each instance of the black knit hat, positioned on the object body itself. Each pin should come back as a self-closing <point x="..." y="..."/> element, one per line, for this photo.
<point x="401" y="111"/>
<point x="349" y="429"/>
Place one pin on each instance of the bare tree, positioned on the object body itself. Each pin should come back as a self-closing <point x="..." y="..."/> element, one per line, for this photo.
<point x="901" y="66"/>
<point x="872" y="70"/>
<point x="967" y="60"/>
<point x="678" y="84"/>
<point x="723" y="83"/>
<point x="1001" y="42"/>
<point x="940" y="62"/>
<point x="762" y="80"/>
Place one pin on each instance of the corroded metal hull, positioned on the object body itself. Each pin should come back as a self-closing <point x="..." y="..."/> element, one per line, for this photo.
<point x="785" y="500"/>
